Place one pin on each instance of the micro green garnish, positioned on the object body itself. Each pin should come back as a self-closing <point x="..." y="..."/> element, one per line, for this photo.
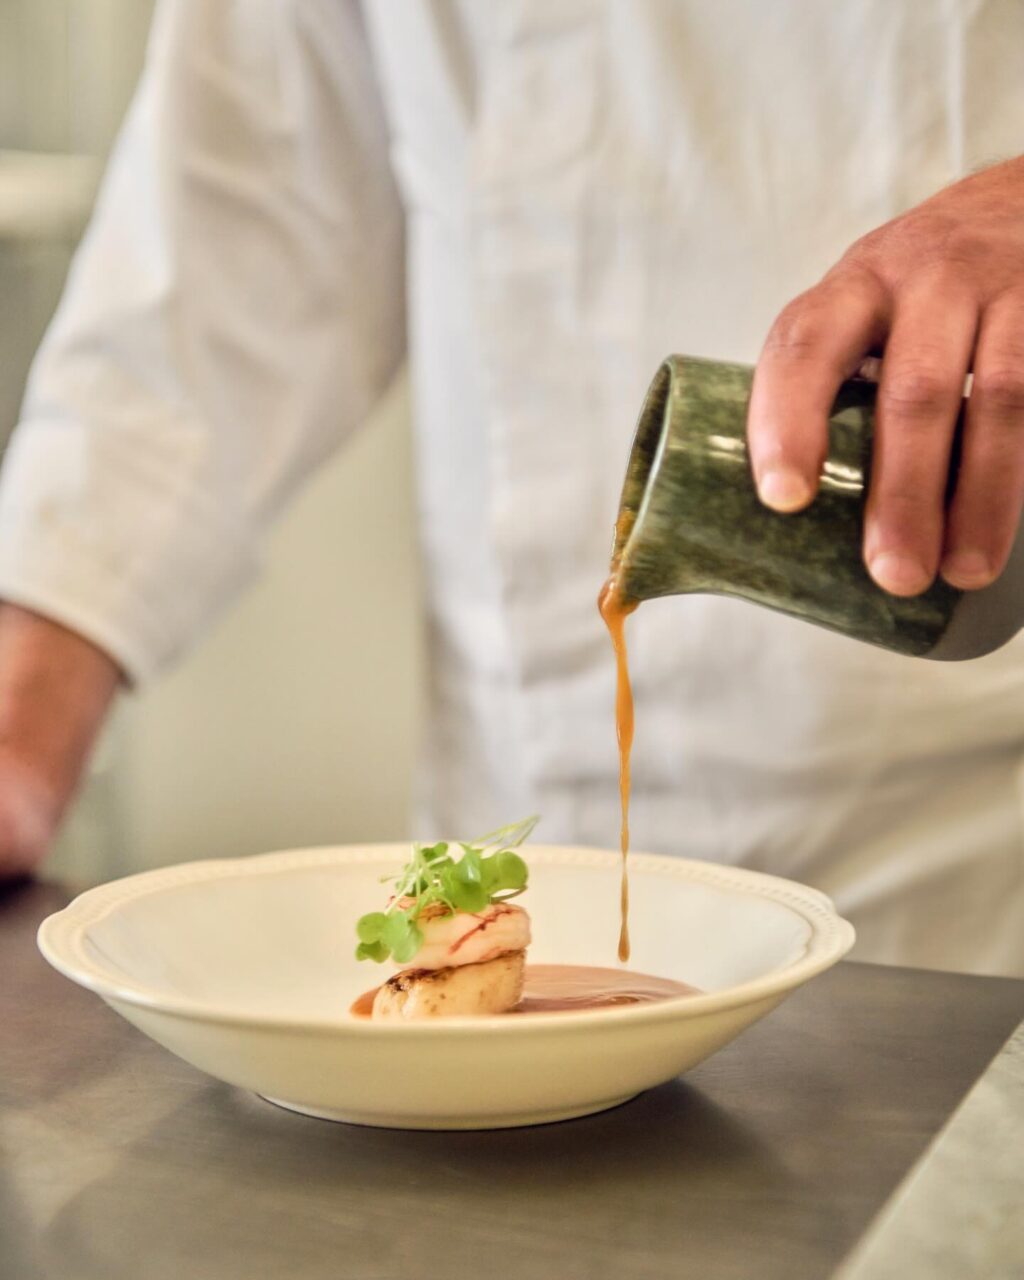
<point x="488" y="870"/>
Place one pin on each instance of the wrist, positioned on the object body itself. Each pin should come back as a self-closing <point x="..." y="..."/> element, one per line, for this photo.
<point x="55" y="690"/>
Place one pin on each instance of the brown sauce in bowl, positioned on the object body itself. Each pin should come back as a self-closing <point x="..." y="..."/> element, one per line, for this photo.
<point x="561" y="988"/>
<point x="565" y="988"/>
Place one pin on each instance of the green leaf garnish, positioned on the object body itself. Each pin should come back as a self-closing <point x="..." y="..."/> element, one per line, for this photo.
<point x="487" y="870"/>
<point x="512" y="870"/>
<point x="369" y="928"/>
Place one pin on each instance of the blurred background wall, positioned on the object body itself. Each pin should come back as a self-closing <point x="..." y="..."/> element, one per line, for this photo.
<point x="296" y="721"/>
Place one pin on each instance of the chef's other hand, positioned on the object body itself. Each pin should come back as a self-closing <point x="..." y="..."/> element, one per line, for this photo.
<point x="55" y="688"/>
<point x="28" y="816"/>
<point x="941" y="291"/>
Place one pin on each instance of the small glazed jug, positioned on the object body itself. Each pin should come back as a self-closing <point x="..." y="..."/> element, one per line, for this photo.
<point x="690" y="521"/>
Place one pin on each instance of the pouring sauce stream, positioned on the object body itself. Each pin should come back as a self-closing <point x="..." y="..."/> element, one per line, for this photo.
<point x="615" y="608"/>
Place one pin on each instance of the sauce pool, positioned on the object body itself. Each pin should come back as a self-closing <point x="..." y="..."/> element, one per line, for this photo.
<point x="566" y="988"/>
<point x="561" y="988"/>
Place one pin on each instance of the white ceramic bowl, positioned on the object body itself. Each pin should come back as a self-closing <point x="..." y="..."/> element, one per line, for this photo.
<point x="245" y="968"/>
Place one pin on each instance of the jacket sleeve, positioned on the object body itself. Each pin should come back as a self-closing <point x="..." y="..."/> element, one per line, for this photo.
<point x="235" y="307"/>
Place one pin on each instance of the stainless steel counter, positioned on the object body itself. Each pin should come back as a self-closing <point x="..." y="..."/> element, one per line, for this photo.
<point x="770" y="1160"/>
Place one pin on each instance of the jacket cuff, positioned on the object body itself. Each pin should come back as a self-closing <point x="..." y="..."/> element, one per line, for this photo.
<point x="136" y="564"/>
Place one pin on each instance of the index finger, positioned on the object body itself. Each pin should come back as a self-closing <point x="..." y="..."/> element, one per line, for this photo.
<point x="817" y="341"/>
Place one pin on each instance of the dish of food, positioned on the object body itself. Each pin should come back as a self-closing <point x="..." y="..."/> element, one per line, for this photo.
<point x="246" y="968"/>
<point x="449" y="920"/>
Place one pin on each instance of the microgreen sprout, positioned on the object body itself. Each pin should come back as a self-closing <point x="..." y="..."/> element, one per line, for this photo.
<point x="487" y="870"/>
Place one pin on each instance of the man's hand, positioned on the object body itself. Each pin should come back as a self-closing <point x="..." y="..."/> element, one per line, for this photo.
<point x="55" y="688"/>
<point x="941" y="289"/>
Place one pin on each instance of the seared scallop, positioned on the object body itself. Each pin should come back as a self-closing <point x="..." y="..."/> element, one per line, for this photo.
<point x="469" y="937"/>
<point x="493" y="986"/>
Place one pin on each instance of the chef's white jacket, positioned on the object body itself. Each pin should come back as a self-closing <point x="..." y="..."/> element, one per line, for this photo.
<point x="575" y="189"/>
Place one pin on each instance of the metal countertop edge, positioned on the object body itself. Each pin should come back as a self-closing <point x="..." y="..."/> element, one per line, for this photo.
<point x="959" y="1213"/>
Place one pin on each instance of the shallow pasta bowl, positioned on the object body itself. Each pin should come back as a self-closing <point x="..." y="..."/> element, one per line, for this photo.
<point x="245" y="968"/>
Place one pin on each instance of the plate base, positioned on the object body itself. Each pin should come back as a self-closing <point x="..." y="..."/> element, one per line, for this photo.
<point x="516" y="1121"/>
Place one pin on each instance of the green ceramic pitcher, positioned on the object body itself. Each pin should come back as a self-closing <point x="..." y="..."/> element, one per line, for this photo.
<point x="690" y="521"/>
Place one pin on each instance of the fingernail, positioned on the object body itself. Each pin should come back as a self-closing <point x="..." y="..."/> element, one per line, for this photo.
<point x="967" y="569"/>
<point x="783" y="490"/>
<point x="899" y="574"/>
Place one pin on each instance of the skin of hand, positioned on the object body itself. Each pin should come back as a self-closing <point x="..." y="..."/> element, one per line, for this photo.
<point x="940" y="291"/>
<point x="55" y="690"/>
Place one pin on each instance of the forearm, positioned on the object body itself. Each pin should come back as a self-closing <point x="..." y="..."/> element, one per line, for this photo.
<point x="55" y="690"/>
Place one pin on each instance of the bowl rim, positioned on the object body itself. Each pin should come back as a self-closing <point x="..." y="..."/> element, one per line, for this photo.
<point x="61" y="936"/>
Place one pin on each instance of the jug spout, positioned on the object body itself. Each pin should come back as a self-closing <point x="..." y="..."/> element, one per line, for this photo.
<point x="690" y="521"/>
